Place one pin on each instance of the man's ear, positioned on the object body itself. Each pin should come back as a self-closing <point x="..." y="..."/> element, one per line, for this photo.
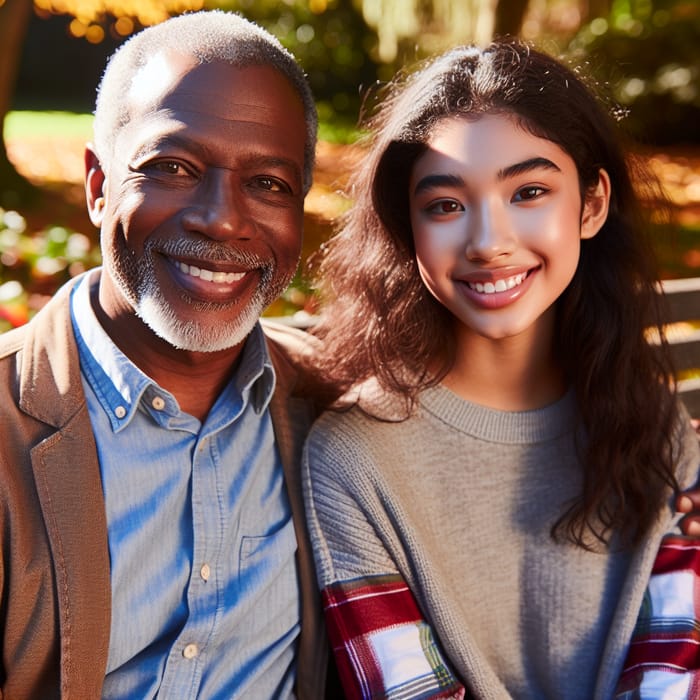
<point x="595" y="208"/>
<point x="94" y="186"/>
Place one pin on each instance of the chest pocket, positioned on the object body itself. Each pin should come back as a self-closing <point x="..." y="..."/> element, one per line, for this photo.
<point x="265" y="559"/>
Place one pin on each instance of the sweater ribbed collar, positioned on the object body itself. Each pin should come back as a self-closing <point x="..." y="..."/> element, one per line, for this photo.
<point x="505" y="427"/>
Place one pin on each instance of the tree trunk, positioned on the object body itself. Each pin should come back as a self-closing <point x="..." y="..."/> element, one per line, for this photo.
<point x="14" y="20"/>
<point x="595" y="8"/>
<point x="509" y="17"/>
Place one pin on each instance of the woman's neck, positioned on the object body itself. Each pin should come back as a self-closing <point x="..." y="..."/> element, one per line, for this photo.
<point x="518" y="373"/>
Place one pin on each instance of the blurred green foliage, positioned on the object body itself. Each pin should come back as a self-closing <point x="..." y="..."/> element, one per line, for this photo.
<point x="34" y="265"/>
<point x="653" y="47"/>
<point x="649" y="50"/>
<point x="332" y="43"/>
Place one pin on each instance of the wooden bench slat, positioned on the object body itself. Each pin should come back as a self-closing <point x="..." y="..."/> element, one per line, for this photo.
<point x="686" y="352"/>
<point x="683" y="298"/>
<point x="689" y="392"/>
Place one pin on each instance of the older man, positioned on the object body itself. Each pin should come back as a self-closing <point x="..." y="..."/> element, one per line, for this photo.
<point x="153" y="543"/>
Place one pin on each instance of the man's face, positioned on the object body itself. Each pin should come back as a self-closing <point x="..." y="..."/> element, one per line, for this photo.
<point x="201" y="204"/>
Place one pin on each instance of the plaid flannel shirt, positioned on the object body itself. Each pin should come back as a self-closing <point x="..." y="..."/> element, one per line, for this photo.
<point x="383" y="647"/>
<point x="663" y="662"/>
<point x="385" y="650"/>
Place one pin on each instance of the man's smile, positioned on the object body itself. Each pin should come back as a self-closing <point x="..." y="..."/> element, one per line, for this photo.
<point x="206" y="275"/>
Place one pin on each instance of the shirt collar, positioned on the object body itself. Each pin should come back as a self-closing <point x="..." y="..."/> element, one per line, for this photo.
<point x="120" y="385"/>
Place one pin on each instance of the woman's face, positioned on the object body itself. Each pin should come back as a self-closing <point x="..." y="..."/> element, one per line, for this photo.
<point x="497" y="222"/>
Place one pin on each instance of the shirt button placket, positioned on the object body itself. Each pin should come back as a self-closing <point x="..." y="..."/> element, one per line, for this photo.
<point x="190" y="651"/>
<point x="205" y="572"/>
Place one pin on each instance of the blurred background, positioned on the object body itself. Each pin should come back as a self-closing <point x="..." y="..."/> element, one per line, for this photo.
<point x="52" y="53"/>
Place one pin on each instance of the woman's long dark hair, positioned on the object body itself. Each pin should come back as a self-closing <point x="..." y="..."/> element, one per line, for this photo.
<point x="380" y="321"/>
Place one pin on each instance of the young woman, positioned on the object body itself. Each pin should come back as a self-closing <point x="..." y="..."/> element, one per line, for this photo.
<point x="487" y="508"/>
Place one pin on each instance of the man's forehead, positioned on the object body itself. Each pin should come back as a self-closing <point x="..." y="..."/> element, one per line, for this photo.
<point x="172" y="80"/>
<point x="159" y="75"/>
<point x="175" y="99"/>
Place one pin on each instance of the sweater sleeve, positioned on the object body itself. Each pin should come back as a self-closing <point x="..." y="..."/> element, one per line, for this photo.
<point x="382" y="645"/>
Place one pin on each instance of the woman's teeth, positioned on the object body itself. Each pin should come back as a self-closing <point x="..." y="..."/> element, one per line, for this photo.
<point x="497" y="286"/>
<point x="210" y="275"/>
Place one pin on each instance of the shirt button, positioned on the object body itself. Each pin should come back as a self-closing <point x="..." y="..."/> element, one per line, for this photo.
<point x="190" y="651"/>
<point x="205" y="572"/>
<point x="120" y="411"/>
<point x="158" y="403"/>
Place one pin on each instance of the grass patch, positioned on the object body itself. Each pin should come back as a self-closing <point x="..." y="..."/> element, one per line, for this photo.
<point x="27" y="125"/>
<point x="20" y="124"/>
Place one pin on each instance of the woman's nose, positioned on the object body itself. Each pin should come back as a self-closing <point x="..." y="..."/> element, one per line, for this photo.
<point x="490" y="233"/>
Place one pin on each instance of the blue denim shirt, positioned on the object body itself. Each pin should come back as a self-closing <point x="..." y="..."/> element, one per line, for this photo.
<point x="205" y="597"/>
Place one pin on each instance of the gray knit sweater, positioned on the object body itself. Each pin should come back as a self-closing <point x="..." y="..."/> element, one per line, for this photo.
<point x="459" y="500"/>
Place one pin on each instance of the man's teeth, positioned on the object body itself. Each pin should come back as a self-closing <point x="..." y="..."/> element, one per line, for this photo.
<point x="498" y="285"/>
<point x="210" y="275"/>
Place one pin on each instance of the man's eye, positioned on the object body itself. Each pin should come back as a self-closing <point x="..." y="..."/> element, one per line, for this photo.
<point x="168" y="167"/>
<point x="528" y="193"/>
<point x="272" y="184"/>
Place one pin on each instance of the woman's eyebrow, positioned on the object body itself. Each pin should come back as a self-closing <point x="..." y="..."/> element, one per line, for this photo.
<point x="435" y="181"/>
<point x="526" y="166"/>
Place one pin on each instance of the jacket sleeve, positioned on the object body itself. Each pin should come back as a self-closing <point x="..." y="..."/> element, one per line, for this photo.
<point x="382" y="645"/>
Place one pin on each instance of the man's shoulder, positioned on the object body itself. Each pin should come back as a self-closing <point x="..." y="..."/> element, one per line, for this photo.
<point x="12" y="341"/>
<point x="290" y="348"/>
<point x="50" y="325"/>
<point x="289" y="338"/>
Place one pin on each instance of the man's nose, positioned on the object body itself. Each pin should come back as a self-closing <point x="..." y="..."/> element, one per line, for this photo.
<point x="219" y="211"/>
<point x="490" y="234"/>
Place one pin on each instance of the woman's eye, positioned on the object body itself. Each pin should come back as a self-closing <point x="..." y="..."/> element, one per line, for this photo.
<point x="444" y="206"/>
<point x="528" y="193"/>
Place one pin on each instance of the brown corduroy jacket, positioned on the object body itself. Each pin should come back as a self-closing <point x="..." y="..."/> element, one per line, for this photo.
<point x="55" y="592"/>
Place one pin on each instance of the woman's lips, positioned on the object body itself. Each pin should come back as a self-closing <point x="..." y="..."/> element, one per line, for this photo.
<point x="499" y="285"/>
<point x="492" y="291"/>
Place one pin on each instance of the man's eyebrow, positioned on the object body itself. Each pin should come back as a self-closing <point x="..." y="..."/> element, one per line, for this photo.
<point x="255" y="158"/>
<point x="276" y="161"/>
<point x="430" y="182"/>
<point x="526" y="166"/>
<point x="166" y="141"/>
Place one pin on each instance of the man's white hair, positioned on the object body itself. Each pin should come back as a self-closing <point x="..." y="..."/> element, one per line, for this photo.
<point x="208" y="36"/>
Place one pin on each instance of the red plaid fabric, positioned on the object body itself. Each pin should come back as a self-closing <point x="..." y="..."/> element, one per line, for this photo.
<point x="382" y="645"/>
<point x="664" y="655"/>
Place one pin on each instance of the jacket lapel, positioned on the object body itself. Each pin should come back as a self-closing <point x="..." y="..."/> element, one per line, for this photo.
<point x="292" y="418"/>
<point x="68" y="482"/>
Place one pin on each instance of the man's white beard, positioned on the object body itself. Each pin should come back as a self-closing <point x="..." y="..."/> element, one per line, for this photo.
<point x="191" y="335"/>
<point x="137" y="281"/>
